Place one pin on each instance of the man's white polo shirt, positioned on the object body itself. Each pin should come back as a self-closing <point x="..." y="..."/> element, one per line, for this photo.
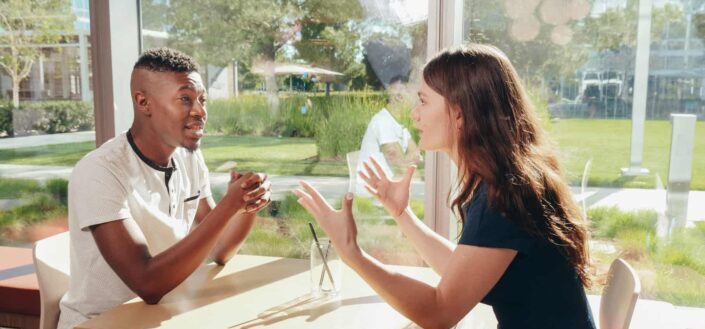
<point x="116" y="182"/>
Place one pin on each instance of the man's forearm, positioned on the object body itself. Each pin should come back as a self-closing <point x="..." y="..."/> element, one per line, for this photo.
<point x="232" y="238"/>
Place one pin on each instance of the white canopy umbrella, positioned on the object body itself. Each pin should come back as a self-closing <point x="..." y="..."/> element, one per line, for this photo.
<point x="298" y="69"/>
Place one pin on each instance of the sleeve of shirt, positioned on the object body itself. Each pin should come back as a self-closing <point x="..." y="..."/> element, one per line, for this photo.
<point x="96" y="196"/>
<point x="485" y="227"/>
<point x="203" y="176"/>
<point x="388" y="130"/>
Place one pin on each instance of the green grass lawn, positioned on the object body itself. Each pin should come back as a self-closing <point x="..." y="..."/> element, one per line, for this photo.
<point x="607" y="142"/>
<point x="281" y="156"/>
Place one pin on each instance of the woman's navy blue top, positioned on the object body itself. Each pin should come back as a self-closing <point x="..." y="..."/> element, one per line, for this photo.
<point x="539" y="289"/>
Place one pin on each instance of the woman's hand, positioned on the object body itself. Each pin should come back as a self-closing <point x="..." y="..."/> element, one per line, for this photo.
<point x="339" y="225"/>
<point x="393" y="194"/>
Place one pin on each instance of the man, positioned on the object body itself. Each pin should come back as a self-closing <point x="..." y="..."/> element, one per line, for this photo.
<point x="141" y="215"/>
<point x="386" y="140"/>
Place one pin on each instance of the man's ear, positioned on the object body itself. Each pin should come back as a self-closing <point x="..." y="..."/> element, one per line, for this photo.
<point x="141" y="102"/>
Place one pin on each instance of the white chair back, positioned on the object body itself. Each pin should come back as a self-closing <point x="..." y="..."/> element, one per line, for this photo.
<point x="52" y="263"/>
<point x="619" y="296"/>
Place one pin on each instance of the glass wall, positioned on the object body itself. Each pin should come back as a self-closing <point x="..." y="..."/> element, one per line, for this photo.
<point x="305" y="90"/>
<point x="46" y="113"/>
<point x="578" y="61"/>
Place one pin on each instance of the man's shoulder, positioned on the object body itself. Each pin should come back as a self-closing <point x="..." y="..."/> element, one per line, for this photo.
<point x="111" y="154"/>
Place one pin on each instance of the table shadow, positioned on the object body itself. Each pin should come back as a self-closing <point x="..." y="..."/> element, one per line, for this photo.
<point x="308" y="306"/>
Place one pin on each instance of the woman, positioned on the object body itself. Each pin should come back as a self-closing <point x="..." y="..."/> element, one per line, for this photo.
<point x="523" y="248"/>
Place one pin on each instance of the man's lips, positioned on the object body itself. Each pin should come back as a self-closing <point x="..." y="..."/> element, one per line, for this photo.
<point x="195" y="125"/>
<point x="195" y="129"/>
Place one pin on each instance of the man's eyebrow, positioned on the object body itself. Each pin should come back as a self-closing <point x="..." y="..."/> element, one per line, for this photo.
<point x="190" y="87"/>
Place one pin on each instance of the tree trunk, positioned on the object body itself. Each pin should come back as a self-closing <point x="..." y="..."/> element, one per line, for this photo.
<point x="271" y="85"/>
<point x="15" y="93"/>
<point x="270" y="82"/>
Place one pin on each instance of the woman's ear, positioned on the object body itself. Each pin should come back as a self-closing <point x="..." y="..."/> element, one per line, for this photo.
<point x="457" y="115"/>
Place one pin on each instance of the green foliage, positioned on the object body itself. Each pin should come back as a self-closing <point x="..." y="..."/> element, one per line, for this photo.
<point x="42" y="202"/>
<point x="6" y="125"/>
<point x="25" y="23"/>
<point x="48" y="117"/>
<point x="15" y="188"/>
<point x="684" y="248"/>
<point x="41" y="206"/>
<point x="63" y="116"/>
<point x="607" y="222"/>
<point x="58" y="188"/>
<point x="540" y="104"/>
<point x="417" y="206"/>
<point x="342" y="129"/>
<point x="678" y="262"/>
<point x="336" y="122"/>
<point x="246" y="115"/>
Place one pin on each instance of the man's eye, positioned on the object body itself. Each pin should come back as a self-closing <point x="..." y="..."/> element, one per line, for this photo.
<point x="185" y="99"/>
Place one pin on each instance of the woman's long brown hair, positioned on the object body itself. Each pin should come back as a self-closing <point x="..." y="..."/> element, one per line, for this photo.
<point x="502" y="144"/>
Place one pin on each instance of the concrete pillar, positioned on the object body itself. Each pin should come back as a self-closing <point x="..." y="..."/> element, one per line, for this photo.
<point x="680" y="169"/>
<point x="641" y="80"/>
<point x="86" y="94"/>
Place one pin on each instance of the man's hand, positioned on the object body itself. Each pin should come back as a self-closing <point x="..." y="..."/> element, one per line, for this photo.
<point x="248" y="192"/>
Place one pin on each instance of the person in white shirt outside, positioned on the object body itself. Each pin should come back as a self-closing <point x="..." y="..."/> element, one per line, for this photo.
<point x="141" y="214"/>
<point x="389" y="142"/>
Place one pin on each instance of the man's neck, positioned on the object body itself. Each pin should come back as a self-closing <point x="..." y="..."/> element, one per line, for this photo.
<point x="149" y="144"/>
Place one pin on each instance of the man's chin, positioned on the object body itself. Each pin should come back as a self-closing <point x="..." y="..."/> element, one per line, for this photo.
<point x="192" y="146"/>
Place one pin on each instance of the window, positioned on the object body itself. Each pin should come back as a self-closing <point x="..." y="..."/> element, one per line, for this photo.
<point x="578" y="61"/>
<point x="46" y="113"/>
<point x="293" y="91"/>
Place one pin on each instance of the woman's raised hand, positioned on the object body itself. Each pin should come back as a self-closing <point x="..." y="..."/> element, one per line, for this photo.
<point x="339" y="225"/>
<point x="393" y="194"/>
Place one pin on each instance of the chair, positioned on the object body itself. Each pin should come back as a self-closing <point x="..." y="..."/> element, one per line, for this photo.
<point x="51" y="261"/>
<point x="619" y="296"/>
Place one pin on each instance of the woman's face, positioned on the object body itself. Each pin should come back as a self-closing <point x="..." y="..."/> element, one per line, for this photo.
<point x="433" y="121"/>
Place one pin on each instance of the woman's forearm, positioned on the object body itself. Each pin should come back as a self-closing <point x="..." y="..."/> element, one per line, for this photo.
<point x="433" y="248"/>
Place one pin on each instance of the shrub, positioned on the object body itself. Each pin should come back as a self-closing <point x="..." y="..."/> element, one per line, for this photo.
<point x="606" y="222"/>
<point x="6" y="125"/>
<point x="42" y="202"/>
<point x="342" y="130"/>
<point x="246" y="115"/>
<point x="58" y="188"/>
<point x="46" y="117"/>
<point x="40" y="207"/>
<point x="14" y="188"/>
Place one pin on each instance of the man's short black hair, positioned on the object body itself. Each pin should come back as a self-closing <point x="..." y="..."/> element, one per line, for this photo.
<point x="166" y="60"/>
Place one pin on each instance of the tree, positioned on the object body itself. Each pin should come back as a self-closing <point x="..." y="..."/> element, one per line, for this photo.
<point x="254" y="32"/>
<point x="25" y="27"/>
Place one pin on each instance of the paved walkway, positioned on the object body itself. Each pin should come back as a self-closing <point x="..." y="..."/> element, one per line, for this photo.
<point x="40" y="140"/>
<point x="334" y="187"/>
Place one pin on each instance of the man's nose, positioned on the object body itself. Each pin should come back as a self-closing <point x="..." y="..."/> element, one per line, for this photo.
<point x="199" y="110"/>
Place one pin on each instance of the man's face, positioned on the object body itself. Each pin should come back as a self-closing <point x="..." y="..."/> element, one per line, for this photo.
<point x="177" y="104"/>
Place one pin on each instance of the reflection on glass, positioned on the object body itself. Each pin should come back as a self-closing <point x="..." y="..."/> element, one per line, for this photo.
<point x="46" y="113"/>
<point x="386" y="140"/>
<point x="292" y="87"/>
<point x="577" y="59"/>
